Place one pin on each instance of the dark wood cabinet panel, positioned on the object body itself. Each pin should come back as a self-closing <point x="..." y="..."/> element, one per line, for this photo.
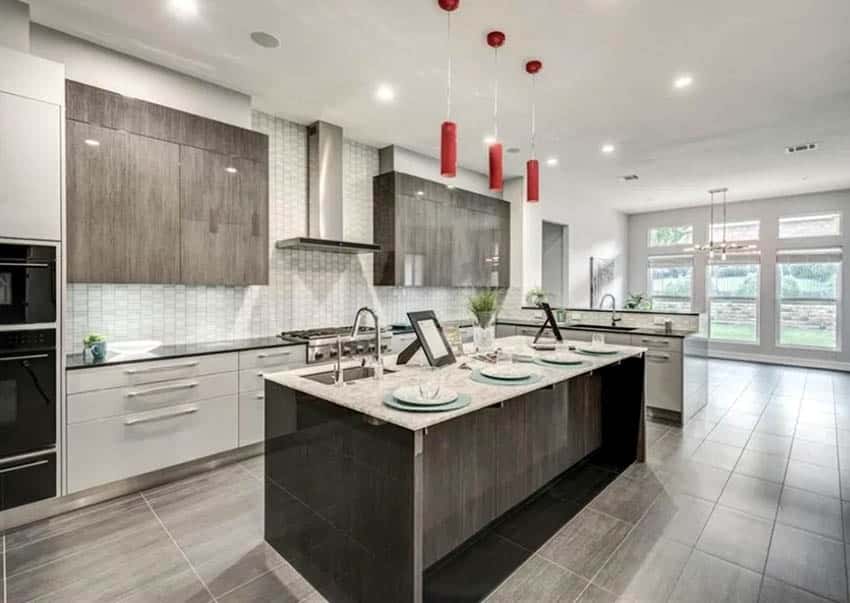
<point x="435" y="236"/>
<point x="123" y="207"/>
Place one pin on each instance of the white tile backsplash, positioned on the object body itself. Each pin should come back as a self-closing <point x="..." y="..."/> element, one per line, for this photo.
<point x="306" y="288"/>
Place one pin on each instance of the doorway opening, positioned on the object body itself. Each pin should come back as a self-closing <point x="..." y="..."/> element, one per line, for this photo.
<point x="556" y="264"/>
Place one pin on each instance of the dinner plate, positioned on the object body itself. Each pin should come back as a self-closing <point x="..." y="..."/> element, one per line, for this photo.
<point x="509" y="372"/>
<point x="561" y="359"/>
<point x="598" y="350"/>
<point x="409" y="394"/>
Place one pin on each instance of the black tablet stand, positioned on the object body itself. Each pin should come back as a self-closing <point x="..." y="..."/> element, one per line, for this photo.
<point x="550" y="323"/>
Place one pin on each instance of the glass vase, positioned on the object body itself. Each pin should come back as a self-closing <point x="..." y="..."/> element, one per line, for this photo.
<point x="484" y="333"/>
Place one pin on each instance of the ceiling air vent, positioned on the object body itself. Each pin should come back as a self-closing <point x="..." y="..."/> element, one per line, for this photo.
<point x="799" y="148"/>
<point x="630" y="177"/>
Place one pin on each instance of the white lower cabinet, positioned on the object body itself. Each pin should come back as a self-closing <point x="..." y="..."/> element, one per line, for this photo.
<point x="664" y="380"/>
<point x="106" y="450"/>
<point x="252" y="417"/>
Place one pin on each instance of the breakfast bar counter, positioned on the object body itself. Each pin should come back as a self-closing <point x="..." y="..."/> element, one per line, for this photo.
<point x="361" y="498"/>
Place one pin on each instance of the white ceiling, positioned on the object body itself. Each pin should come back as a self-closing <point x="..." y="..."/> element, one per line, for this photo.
<point x="768" y="73"/>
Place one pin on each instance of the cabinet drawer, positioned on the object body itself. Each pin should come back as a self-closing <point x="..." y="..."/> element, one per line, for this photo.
<point x="293" y="355"/>
<point x="664" y="380"/>
<point x="670" y="344"/>
<point x="505" y="331"/>
<point x="616" y="338"/>
<point x="532" y="331"/>
<point x="252" y="417"/>
<point x="575" y="335"/>
<point x="252" y="379"/>
<point x="139" y="373"/>
<point x="87" y="406"/>
<point x="120" y="447"/>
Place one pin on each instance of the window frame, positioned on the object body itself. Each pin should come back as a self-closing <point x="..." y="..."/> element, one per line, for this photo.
<point x="755" y="221"/>
<point x="687" y="262"/>
<point x="710" y="299"/>
<point x="837" y="301"/>
<point x="649" y="231"/>
<point x="809" y="216"/>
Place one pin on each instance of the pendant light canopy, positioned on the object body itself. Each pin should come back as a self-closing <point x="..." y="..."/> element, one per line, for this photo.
<point x="532" y="167"/>
<point x="495" y="40"/>
<point x="448" y="133"/>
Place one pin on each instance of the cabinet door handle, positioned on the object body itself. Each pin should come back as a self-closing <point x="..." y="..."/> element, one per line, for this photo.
<point x="655" y="341"/>
<point x="20" y="467"/>
<point x="158" y="417"/>
<point x="273" y="354"/>
<point x="28" y="357"/>
<point x="659" y="357"/>
<point x="23" y="265"/>
<point x="163" y="389"/>
<point x="165" y="367"/>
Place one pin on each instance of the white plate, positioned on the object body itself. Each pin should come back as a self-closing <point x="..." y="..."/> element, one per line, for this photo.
<point x="409" y="394"/>
<point x="562" y="358"/>
<point x="509" y="372"/>
<point x="598" y="349"/>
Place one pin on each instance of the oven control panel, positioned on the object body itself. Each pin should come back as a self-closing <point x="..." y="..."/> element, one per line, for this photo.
<point x="27" y="340"/>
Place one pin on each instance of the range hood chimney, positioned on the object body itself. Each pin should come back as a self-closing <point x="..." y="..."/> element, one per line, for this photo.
<point x="324" y="195"/>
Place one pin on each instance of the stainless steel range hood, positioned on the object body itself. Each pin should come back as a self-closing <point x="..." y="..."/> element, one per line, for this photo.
<point x="324" y="195"/>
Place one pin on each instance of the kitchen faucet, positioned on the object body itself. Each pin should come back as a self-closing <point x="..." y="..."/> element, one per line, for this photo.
<point x="614" y="319"/>
<point x="379" y="361"/>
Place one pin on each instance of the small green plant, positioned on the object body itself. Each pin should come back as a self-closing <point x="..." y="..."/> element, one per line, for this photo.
<point x="483" y="304"/>
<point x="638" y="301"/>
<point x="93" y="338"/>
<point x="536" y="296"/>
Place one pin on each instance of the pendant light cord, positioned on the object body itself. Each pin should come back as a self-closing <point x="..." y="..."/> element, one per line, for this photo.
<point x="496" y="94"/>
<point x="449" y="82"/>
<point x="533" y="116"/>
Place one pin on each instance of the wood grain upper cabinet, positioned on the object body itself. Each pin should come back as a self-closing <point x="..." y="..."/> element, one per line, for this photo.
<point x="434" y="236"/>
<point x="223" y="218"/>
<point x="123" y="201"/>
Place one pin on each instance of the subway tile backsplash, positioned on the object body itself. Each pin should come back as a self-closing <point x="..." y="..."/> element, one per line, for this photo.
<point x="306" y="288"/>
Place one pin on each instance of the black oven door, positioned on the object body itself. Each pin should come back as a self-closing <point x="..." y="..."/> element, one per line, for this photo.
<point x="27" y="284"/>
<point x="27" y="480"/>
<point x="27" y="391"/>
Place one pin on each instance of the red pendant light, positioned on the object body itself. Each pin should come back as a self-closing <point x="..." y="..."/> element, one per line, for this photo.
<point x="532" y="167"/>
<point x="448" y="133"/>
<point x="496" y="39"/>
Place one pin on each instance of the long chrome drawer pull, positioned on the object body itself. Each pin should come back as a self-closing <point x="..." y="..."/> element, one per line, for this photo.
<point x="163" y="389"/>
<point x="165" y="367"/>
<point x="178" y="413"/>
<point x="29" y="357"/>
<point x="24" y="265"/>
<point x="19" y="467"/>
<point x="273" y="354"/>
<point x="658" y="356"/>
<point x="656" y="341"/>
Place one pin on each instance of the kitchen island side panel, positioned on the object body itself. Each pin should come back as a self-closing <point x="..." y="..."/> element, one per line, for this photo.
<point x="340" y="499"/>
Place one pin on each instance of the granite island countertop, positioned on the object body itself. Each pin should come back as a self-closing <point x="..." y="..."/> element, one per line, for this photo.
<point x="366" y="395"/>
<point x="649" y="331"/>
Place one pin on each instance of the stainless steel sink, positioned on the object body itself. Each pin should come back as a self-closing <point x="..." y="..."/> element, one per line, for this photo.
<point x="353" y="373"/>
<point x="606" y="327"/>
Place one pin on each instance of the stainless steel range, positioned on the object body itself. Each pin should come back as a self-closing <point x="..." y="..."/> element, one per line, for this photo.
<point x="321" y="343"/>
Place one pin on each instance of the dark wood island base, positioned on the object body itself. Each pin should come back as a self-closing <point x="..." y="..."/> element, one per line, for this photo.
<point x="361" y="508"/>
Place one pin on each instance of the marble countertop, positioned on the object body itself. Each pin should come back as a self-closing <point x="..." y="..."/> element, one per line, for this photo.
<point x="651" y="331"/>
<point x="366" y="396"/>
<point x="164" y="352"/>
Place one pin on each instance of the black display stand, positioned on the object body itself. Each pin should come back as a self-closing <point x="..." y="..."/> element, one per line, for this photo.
<point x="416" y="320"/>
<point x="550" y="323"/>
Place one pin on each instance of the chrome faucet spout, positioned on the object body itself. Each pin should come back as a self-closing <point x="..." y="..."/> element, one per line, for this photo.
<point x="379" y="361"/>
<point x="614" y="318"/>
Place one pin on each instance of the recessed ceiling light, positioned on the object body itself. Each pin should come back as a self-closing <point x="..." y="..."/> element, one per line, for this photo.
<point x="552" y="161"/>
<point x="450" y="186"/>
<point x="488" y="140"/>
<point x="92" y="142"/>
<point x="184" y="8"/>
<point x="264" y="39"/>
<point x="420" y="193"/>
<point x="608" y="148"/>
<point x="230" y="169"/>
<point x="683" y="81"/>
<point x="385" y="93"/>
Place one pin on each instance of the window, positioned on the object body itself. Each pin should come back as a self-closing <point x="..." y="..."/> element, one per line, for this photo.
<point x="669" y="236"/>
<point x="733" y="299"/>
<point x="736" y="231"/>
<point x="822" y="225"/>
<point x="808" y="283"/>
<point x="671" y="282"/>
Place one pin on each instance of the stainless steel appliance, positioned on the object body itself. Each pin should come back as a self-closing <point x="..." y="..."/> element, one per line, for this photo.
<point x="27" y="416"/>
<point x="321" y="343"/>
<point x="27" y="284"/>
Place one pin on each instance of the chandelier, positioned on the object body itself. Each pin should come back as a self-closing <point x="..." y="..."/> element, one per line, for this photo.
<point x="722" y="247"/>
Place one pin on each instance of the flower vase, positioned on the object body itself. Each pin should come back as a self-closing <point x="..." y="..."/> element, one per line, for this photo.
<point x="484" y="333"/>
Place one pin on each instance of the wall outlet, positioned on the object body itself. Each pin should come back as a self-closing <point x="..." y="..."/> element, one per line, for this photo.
<point x="658" y="320"/>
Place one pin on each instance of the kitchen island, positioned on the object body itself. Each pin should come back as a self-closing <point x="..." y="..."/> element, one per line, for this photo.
<point x="361" y="499"/>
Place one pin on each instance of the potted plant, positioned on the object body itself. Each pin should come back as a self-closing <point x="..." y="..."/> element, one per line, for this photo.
<point x="483" y="306"/>
<point x="95" y="345"/>
<point x="536" y="296"/>
<point x="638" y="301"/>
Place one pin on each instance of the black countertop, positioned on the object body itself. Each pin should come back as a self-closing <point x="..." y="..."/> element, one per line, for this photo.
<point x="164" y="352"/>
<point x="650" y="331"/>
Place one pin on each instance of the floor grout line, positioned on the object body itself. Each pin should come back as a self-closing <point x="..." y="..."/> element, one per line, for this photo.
<point x="5" y="588"/>
<point x="179" y="548"/>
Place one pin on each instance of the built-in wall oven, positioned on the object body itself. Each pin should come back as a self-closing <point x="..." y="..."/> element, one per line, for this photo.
<point x="28" y="398"/>
<point x="27" y="284"/>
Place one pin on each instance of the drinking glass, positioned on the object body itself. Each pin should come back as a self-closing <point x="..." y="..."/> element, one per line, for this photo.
<point x="429" y="383"/>
<point x="598" y="339"/>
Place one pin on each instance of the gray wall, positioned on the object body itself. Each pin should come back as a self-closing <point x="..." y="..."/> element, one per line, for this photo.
<point x="15" y="25"/>
<point x="555" y="260"/>
<point x="768" y="211"/>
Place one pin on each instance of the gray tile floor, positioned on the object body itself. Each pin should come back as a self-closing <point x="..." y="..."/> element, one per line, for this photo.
<point x="743" y="504"/>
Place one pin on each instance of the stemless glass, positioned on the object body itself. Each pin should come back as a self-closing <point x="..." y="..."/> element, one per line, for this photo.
<point x="429" y="383"/>
<point x="598" y="339"/>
